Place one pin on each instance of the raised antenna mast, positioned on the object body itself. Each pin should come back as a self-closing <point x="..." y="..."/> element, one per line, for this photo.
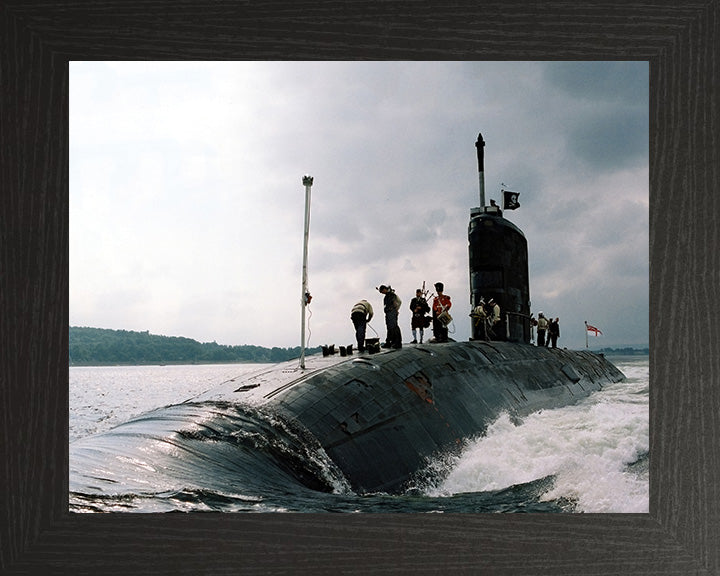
<point x="480" y="145"/>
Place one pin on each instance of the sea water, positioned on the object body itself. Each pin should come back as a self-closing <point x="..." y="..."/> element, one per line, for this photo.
<point x="588" y="457"/>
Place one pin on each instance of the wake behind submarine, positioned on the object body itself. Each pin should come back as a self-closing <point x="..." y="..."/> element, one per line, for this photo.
<point x="382" y="418"/>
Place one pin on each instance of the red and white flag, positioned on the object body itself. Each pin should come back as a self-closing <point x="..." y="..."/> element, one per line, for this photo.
<point x="590" y="328"/>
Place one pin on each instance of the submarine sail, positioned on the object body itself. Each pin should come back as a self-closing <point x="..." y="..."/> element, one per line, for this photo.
<point x="498" y="261"/>
<point x="499" y="271"/>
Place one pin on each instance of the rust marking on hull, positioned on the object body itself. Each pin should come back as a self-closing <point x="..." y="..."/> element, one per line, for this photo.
<point x="419" y="384"/>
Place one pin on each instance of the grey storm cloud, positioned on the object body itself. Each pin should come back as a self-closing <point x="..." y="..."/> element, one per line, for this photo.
<point x="600" y="81"/>
<point x="614" y="138"/>
<point x="608" y="126"/>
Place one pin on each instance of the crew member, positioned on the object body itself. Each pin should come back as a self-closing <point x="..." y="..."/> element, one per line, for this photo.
<point x="419" y="308"/>
<point x="360" y="315"/>
<point x="553" y="332"/>
<point x="542" y="326"/>
<point x="391" y="306"/>
<point x="441" y="304"/>
<point x="494" y="312"/>
<point x="479" y="315"/>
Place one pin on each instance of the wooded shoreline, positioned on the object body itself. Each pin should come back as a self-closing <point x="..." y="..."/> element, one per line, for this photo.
<point x="105" y="347"/>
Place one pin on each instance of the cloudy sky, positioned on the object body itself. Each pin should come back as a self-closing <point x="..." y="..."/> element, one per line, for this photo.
<point x="187" y="203"/>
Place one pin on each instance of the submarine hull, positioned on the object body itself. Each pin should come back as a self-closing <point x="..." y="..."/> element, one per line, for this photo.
<point x="382" y="419"/>
<point x="378" y="421"/>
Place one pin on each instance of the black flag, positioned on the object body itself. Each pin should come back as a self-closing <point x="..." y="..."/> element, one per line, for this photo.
<point x="510" y="200"/>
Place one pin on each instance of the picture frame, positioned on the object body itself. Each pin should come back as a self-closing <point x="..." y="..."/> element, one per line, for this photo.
<point x="39" y="535"/>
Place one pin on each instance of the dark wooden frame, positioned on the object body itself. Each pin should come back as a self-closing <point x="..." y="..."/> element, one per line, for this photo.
<point x="680" y="535"/>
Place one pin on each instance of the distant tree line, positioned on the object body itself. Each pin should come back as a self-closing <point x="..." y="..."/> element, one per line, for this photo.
<point x="625" y="351"/>
<point x="99" y="346"/>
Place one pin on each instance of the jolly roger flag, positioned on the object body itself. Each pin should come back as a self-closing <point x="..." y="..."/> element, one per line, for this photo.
<point x="510" y="200"/>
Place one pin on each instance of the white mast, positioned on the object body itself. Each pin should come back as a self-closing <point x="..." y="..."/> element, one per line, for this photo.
<point x="307" y="182"/>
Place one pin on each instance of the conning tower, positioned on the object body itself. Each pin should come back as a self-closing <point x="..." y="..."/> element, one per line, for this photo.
<point x="498" y="266"/>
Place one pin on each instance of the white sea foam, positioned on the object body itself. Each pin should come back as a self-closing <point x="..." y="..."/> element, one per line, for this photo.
<point x="586" y="447"/>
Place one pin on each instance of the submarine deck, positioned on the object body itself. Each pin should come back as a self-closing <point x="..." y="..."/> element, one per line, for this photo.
<point x="382" y="417"/>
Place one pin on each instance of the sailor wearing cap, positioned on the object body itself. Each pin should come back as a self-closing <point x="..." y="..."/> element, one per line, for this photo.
<point x="542" y="326"/>
<point x="391" y="306"/>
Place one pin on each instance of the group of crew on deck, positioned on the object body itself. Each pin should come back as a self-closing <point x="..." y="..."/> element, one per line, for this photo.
<point x="362" y="313"/>
<point x="548" y="331"/>
<point x="486" y="316"/>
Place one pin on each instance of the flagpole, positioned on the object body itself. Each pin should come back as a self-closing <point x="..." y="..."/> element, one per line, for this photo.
<point x="586" y="336"/>
<point x="307" y="182"/>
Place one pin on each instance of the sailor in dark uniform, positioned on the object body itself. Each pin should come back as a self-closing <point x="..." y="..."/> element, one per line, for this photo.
<point x="391" y="305"/>
<point x="419" y="308"/>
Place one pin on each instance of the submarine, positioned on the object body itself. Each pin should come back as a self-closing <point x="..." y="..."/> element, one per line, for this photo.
<point x="383" y="416"/>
